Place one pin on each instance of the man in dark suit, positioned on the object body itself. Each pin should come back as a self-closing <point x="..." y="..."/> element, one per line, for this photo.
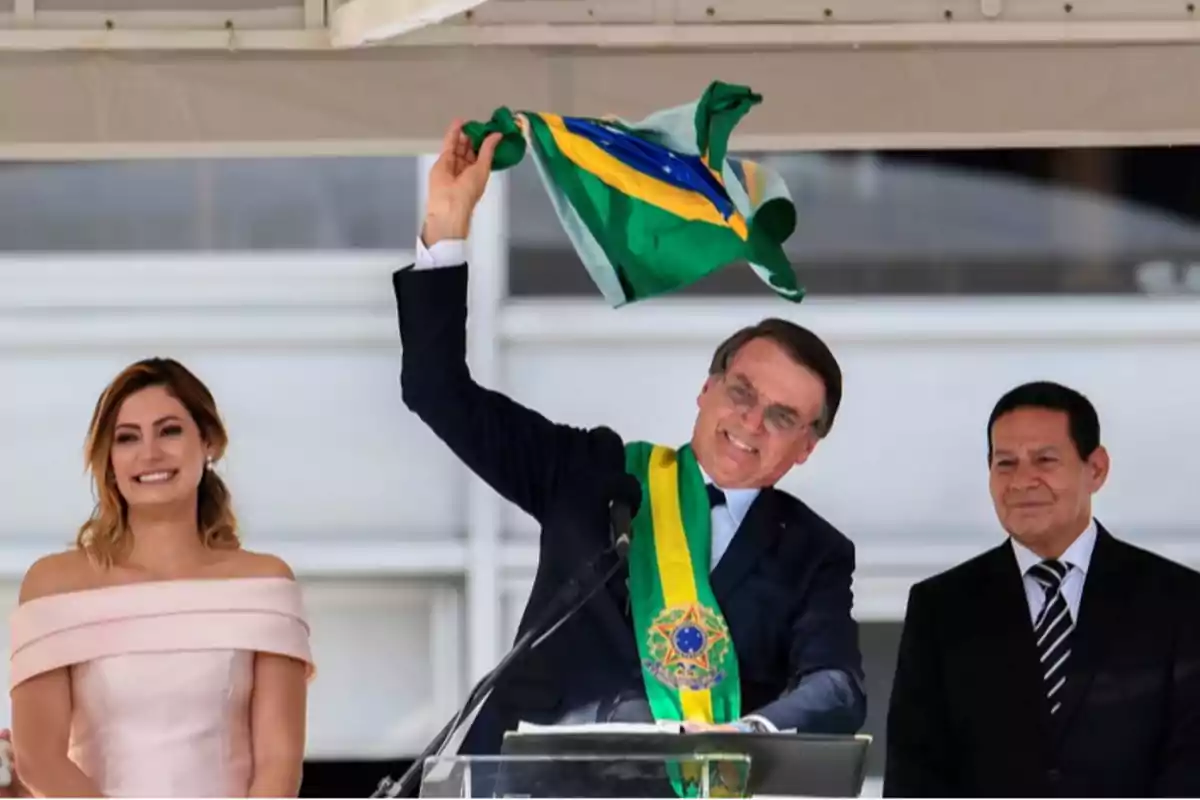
<point x="781" y="575"/>
<point x="1063" y="663"/>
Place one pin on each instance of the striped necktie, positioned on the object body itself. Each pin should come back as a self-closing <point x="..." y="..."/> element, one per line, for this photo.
<point x="1052" y="629"/>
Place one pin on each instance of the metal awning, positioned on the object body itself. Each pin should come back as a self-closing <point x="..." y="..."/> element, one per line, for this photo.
<point x="138" y="78"/>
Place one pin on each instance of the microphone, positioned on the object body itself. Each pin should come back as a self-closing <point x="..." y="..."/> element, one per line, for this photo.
<point x="624" y="495"/>
<point x="625" y="498"/>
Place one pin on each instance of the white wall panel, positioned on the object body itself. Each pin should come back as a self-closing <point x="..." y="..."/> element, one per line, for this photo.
<point x="904" y="471"/>
<point x="390" y="661"/>
<point x="8" y="600"/>
<point x="321" y="445"/>
<point x="302" y="356"/>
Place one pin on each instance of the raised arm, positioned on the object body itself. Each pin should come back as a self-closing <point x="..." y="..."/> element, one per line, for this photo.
<point x="519" y="452"/>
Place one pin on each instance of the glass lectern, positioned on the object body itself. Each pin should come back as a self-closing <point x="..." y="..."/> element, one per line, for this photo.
<point x="636" y="775"/>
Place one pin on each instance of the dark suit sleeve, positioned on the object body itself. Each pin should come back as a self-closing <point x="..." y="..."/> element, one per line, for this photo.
<point x="1179" y="775"/>
<point x="517" y="451"/>
<point x="919" y="763"/>
<point x="828" y="701"/>
<point x="827" y="694"/>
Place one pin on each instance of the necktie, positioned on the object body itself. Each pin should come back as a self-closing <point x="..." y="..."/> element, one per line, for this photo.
<point x="1052" y="630"/>
<point x="715" y="496"/>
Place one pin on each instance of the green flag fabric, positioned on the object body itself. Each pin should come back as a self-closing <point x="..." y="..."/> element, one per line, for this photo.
<point x="655" y="205"/>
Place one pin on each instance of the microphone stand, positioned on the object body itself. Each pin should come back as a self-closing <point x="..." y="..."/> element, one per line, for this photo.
<point x="547" y="624"/>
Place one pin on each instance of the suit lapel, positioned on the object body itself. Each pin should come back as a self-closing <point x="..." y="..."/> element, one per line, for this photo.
<point x="757" y="533"/>
<point x="1100" y="607"/>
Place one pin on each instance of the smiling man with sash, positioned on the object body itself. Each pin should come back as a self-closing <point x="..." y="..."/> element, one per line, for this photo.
<point x="735" y="611"/>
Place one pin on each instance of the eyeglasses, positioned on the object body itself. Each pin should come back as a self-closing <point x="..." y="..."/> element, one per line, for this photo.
<point x="778" y="419"/>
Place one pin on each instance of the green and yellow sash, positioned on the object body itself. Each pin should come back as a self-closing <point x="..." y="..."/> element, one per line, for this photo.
<point x="689" y="665"/>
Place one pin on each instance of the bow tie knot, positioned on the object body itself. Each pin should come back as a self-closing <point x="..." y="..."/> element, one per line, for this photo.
<point x="715" y="496"/>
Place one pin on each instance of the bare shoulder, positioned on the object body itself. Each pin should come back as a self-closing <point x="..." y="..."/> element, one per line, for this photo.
<point x="249" y="564"/>
<point x="57" y="573"/>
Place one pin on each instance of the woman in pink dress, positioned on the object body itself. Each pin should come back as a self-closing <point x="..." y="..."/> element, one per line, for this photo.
<point x="157" y="657"/>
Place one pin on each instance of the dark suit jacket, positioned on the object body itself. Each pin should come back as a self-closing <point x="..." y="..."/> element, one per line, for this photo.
<point x="783" y="585"/>
<point x="968" y="714"/>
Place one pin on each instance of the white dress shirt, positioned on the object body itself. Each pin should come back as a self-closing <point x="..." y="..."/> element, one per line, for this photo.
<point x="446" y="253"/>
<point x="1078" y="558"/>
<point x="727" y="519"/>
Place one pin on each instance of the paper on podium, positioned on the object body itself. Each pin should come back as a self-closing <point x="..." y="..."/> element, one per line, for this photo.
<point x="662" y="726"/>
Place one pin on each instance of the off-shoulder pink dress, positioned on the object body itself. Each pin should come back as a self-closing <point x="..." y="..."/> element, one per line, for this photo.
<point x="161" y="676"/>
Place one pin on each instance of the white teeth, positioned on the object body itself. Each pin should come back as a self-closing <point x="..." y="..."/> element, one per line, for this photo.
<point x="739" y="444"/>
<point x="155" y="477"/>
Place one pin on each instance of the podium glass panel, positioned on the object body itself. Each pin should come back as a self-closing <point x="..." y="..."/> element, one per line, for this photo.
<point x="704" y="775"/>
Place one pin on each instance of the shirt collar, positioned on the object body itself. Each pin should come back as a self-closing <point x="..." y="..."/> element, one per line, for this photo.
<point x="1078" y="555"/>
<point x="737" y="501"/>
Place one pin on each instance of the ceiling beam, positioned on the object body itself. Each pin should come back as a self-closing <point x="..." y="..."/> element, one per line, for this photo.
<point x="398" y="100"/>
<point x="223" y="35"/>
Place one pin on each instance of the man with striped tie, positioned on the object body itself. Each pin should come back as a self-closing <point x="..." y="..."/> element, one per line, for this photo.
<point x="1063" y="663"/>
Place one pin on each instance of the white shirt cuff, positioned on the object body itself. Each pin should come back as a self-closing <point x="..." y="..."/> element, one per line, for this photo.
<point x="446" y="253"/>
<point x="766" y="723"/>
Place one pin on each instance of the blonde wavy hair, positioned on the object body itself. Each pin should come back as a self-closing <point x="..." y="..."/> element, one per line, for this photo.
<point x="105" y="536"/>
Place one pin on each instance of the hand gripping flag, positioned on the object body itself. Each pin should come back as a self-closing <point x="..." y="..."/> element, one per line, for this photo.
<point x="653" y="206"/>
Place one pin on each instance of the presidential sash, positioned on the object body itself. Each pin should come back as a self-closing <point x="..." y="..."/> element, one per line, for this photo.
<point x="689" y="665"/>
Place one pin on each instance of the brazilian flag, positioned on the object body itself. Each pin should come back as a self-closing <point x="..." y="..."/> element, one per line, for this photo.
<point x="653" y="206"/>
